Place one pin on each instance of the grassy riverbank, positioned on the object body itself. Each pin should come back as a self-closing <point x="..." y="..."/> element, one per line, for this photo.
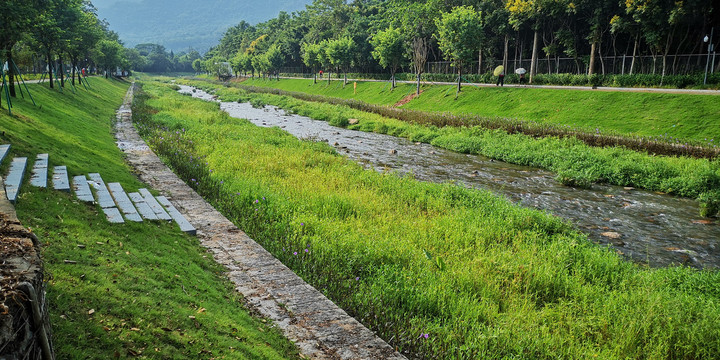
<point x="136" y="290"/>
<point x="684" y="116"/>
<point x="438" y="270"/>
<point x="575" y="163"/>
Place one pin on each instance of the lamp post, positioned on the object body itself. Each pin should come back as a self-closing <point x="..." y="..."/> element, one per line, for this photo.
<point x="710" y="49"/>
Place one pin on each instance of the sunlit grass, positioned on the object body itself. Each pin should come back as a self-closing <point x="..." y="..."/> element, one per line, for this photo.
<point x="574" y="162"/>
<point x="438" y="270"/>
<point x="136" y="290"/>
<point x="683" y="116"/>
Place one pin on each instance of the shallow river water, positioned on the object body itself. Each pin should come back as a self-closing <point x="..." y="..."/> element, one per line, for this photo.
<point x="646" y="227"/>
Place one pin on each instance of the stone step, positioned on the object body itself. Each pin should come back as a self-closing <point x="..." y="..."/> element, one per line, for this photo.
<point x="60" y="179"/>
<point x="142" y="206"/>
<point x="113" y="215"/>
<point x="154" y="205"/>
<point x="14" y="178"/>
<point x="40" y="171"/>
<point x="4" y="150"/>
<point x="103" y="195"/>
<point x="177" y="216"/>
<point x="123" y="202"/>
<point x="82" y="189"/>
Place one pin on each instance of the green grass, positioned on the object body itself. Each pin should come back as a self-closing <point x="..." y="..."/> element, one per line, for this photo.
<point x="692" y="117"/>
<point x="575" y="163"/>
<point x="481" y="277"/>
<point x="154" y="290"/>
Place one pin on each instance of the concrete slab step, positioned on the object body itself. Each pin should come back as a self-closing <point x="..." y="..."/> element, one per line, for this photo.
<point x="154" y="205"/>
<point x="124" y="203"/>
<point x="177" y="216"/>
<point x="40" y="171"/>
<point x="14" y="178"/>
<point x="142" y="206"/>
<point x="82" y="189"/>
<point x="60" y="179"/>
<point x="113" y="215"/>
<point x="104" y="198"/>
<point x="4" y="150"/>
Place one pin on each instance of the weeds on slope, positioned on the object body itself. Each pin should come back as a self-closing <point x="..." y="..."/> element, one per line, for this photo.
<point x="574" y="162"/>
<point x="438" y="270"/>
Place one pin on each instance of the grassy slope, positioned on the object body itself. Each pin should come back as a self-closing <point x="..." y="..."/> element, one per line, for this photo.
<point x="649" y="114"/>
<point x="143" y="281"/>
<point x="511" y="282"/>
<point x="575" y="163"/>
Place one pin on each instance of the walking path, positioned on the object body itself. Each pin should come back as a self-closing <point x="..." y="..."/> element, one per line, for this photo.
<point x="315" y="324"/>
<point x="554" y="87"/>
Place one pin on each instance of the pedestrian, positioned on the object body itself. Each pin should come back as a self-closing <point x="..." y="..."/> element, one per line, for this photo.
<point x="522" y="78"/>
<point x="501" y="79"/>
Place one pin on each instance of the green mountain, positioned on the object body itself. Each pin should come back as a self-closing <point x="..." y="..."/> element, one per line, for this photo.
<point x="183" y="24"/>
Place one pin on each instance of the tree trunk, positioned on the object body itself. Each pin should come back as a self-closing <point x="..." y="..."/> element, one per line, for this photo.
<point x="505" y="53"/>
<point x="314" y="76"/>
<point x="417" y="91"/>
<point x="632" y="62"/>
<point x="533" y="64"/>
<point x="50" y="70"/>
<point x="479" y="61"/>
<point x="11" y="73"/>
<point x="61" y="71"/>
<point x="593" y="49"/>
<point x="459" y="81"/>
<point x="74" y="63"/>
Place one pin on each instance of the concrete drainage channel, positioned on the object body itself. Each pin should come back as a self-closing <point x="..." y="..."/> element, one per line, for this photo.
<point x="319" y="328"/>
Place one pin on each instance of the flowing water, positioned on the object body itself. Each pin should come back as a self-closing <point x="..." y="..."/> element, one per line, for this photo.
<point x="647" y="227"/>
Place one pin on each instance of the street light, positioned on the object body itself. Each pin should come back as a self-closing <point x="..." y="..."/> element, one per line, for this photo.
<point x="710" y="49"/>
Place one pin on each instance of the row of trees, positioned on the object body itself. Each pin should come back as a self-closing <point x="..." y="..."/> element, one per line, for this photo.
<point x="405" y="34"/>
<point x="60" y="32"/>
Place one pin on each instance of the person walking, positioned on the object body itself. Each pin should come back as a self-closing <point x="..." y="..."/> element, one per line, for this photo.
<point x="501" y="79"/>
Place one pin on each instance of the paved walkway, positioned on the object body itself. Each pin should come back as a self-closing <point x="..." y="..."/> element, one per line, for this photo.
<point x="315" y="324"/>
<point x="554" y="87"/>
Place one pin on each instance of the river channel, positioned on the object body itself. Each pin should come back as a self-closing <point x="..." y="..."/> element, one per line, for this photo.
<point x="646" y="227"/>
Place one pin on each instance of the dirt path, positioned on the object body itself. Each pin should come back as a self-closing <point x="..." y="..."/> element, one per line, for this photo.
<point x="315" y="324"/>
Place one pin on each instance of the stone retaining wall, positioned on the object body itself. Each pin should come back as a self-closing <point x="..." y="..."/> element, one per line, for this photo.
<point x="24" y="323"/>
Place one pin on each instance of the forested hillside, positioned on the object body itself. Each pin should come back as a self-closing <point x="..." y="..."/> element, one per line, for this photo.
<point x="548" y="37"/>
<point x="182" y="24"/>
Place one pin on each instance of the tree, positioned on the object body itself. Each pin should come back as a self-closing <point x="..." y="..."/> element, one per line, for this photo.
<point x="340" y="54"/>
<point x="261" y="64"/>
<point x="323" y="57"/>
<point x="275" y="59"/>
<point x="310" y="56"/>
<point x="83" y="35"/>
<point x="389" y="50"/>
<point x="108" y="55"/>
<point x="198" y="65"/>
<point x="16" y="17"/>
<point x="47" y="32"/>
<point x="459" y="34"/>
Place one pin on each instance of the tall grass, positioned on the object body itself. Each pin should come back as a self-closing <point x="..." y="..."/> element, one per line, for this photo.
<point x="574" y="162"/>
<point x="438" y="270"/>
<point x="142" y="290"/>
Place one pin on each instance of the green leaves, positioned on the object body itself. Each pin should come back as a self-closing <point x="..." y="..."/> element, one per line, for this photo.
<point x="459" y="34"/>
<point x="389" y="48"/>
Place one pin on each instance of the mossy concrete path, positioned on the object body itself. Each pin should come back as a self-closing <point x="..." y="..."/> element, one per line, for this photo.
<point x="319" y="328"/>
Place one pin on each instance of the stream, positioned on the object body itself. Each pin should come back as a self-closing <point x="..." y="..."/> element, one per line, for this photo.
<point x="646" y="227"/>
